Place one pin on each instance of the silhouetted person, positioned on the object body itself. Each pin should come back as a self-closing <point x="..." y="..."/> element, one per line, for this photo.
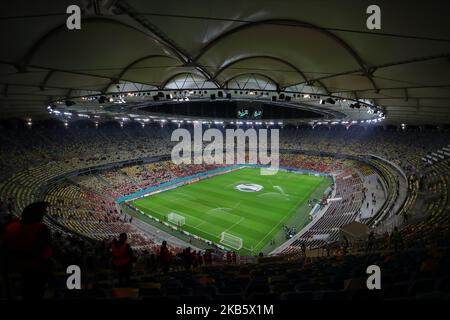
<point x="228" y="257"/>
<point x="260" y="256"/>
<point x="396" y="240"/>
<point x="234" y="257"/>
<point x="164" y="257"/>
<point x="328" y="249"/>
<point x="194" y="259"/>
<point x="28" y="250"/>
<point x="122" y="258"/>
<point x="207" y="257"/>
<point x="200" y="258"/>
<point x="303" y="249"/>
<point x="371" y="242"/>
<point x="345" y="245"/>
<point x="187" y="258"/>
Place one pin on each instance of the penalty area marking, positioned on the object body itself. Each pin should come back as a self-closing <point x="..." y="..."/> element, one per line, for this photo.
<point x="202" y="231"/>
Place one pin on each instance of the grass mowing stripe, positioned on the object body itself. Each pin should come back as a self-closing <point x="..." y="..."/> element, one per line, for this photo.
<point x="210" y="206"/>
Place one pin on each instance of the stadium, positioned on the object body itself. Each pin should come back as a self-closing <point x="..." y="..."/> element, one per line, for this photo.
<point x="312" y="148"/>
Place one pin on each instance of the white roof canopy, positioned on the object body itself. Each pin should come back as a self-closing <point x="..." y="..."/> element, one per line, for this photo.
<point x="404" y="67"/>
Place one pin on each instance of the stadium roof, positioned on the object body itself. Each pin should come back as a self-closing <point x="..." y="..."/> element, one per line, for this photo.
<point x="404" y="67"/>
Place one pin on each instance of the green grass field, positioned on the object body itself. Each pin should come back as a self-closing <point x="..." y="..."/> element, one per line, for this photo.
<point x="213" y="205"/>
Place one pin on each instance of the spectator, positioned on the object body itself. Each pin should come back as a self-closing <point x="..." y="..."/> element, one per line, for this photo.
<point x="303" y="249"/>
<point x="396" y="240"/>
<point x="122" y="258"/>
<point x="233" y="257"/>
<point x="228" y="257"/>
<point x="370" y="242"/>
<point x="164" y="257"/>
<point x="187" y="258"/>
<point x="345" y="245"/>
<point x="28" y="250"/>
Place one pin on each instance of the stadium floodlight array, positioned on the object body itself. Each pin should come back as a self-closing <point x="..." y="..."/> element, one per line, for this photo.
<point x="176" y="219"/>
<point x="231" y="241"/>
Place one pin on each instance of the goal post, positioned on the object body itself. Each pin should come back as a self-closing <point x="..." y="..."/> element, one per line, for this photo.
<point x="176" y="219"/>
<point x="231" y="240"/>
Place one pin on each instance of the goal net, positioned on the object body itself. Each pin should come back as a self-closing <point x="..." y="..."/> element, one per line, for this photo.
<point x="231" y="241"/>
<point x="176" y="219"/>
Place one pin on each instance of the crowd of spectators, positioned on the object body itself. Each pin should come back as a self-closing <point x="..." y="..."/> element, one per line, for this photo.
<point x="85" y="204"/>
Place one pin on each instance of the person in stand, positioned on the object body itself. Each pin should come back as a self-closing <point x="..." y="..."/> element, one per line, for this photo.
<point x="303" y="249"/>
<point x="345" y="245"/>
<point x="370" y="242"/>
<point x="187" y="258"/>
<point x="28" y="249"/>
<point x="122" y="258"/>
<point x="194" y="259"/>
<point x="207" y="257"/>
<point x="405" y="216"/>
<point x="396" y="240"/>
<point x="228" y="257"/>
<point x="164" y="257"/>
<point x="200" y="259"/>
<point x="233" y="257"/>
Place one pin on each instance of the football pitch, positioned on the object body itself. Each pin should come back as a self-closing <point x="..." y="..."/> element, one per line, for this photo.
<point x="235" y="203"/>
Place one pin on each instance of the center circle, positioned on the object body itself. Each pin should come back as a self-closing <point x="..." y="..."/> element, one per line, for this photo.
<point x="248" y="187"/>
